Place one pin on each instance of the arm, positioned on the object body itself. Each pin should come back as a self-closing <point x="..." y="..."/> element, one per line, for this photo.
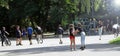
<point x="6" y="32"/>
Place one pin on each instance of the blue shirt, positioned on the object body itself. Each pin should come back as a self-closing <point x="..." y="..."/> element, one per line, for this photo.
<point x="30" y="30"/>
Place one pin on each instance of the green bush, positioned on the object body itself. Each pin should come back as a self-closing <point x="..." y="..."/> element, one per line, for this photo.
<point x="115" y="41"/>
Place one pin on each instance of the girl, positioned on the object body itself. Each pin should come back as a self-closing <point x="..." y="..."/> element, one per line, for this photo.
<point x="72" y="37"/>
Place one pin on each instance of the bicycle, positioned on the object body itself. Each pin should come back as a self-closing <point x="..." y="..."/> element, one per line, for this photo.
<point x="7" y="41"/>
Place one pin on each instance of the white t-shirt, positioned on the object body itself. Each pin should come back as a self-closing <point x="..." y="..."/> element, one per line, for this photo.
<point x="115" y="26"/>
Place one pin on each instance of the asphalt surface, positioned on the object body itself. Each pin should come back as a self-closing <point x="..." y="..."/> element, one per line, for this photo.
<point x="51" y="47"/>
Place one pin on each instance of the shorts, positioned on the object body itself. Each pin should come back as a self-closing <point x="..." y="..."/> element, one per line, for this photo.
<point x="18" y="36"/>
<point x="29" y="36"/>
<point x="72" y="37"/>
<point x="60" y="36"/>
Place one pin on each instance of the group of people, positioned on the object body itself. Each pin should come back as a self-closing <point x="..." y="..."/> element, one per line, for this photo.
<point x="20" y="33"/>
<point x="72" y="32"/>
<point x="28" y="32"/>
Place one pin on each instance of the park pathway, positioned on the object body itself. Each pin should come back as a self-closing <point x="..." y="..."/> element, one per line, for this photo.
<point x="51" y="47"/>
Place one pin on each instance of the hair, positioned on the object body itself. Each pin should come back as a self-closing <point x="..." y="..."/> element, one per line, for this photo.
<point x="17" y="26"/>
<point x="79" y="25"/>
<point x="71" y="25"/>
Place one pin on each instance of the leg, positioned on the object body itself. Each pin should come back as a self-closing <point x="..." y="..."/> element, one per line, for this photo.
<point x="60" y="36"/>
<point x="74" y="45"/>
<point x="82" y="40"/>
<point x="100" y="33"/>
<point x="37" y="37"/>
<point x="17" y="41"/>
<point x="41" y="39"/>
<point x="20" y="41"/>
<point x="2" y="39"/>
<point x="71" y="42"/>
<point x="30" y="37"/>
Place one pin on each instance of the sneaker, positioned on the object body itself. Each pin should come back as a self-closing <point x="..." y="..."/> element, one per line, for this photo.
<point x="30" y="43"/>
<point x="82" y="48"/>
<point x="20" y="44"/>
<point x="17" y="44"/>
<point x="60" y="42"/>
<point x="74" y="49"/>
<point x="2" y="45"/>
<point x="99" y="38"/>
<point x="71" y="49"/>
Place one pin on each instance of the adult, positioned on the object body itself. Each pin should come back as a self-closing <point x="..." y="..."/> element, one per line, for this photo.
<point x="3" y="34"/>
<point x="100" y="28"/>
<point x="60" y="33"/>
<point x="18" y="35"/>
<point x="38" y="33"/>
<point x="30" y="32"/>
<point x="82" y="35"/>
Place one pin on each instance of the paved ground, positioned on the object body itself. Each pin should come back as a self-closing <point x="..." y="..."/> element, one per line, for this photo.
<point x="51" y="47"/>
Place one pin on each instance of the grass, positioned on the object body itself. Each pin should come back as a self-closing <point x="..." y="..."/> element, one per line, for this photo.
<point x="115" y="41"/>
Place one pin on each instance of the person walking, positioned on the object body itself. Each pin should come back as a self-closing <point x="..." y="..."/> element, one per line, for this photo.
<point x="100" y="28"/>
<point x="30" y="32"/>
<point x="38" y="33"/>
<point x="18" y="35"/>
<point x="116" y="29"/>
<point x="60" y="33"/>
<point x="82" y="35"/>
<point x="3" y="35"/>
<point x="72" y="37"/>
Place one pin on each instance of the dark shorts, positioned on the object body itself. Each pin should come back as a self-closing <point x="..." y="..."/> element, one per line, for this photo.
<point x="18" y="36"/>
<point x="29" y="36"/>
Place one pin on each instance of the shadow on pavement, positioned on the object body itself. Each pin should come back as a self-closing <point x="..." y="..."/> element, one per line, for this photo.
<point x="103" y="47"/>
<point x="38" y="50"/>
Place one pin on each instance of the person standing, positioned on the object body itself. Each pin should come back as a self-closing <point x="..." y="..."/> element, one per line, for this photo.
<point x="60" y="33"/>
<point x="18" y="35"/>
<point x="82" y="35"/>
<point x="3" y="34"/>
<point x="30" y="32"/>
<point x="72" y="37"/>
<point x="100" y="28"/>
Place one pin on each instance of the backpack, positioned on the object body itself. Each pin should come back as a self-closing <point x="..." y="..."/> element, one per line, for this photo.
<point x="38" y="31"/>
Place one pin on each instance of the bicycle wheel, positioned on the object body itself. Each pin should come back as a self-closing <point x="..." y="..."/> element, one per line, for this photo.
<point x="37" y="40"/>
<point x="41" y="39"/>
<point x="7" y="42"/>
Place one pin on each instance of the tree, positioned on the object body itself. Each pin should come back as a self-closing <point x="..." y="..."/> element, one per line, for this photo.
<point x="46" y="13"/>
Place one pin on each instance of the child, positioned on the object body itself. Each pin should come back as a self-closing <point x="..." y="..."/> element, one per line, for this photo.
<point x="72" y="37"/>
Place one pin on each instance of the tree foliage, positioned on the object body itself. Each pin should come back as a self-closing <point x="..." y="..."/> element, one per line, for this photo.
<point x="45" y="13"/>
